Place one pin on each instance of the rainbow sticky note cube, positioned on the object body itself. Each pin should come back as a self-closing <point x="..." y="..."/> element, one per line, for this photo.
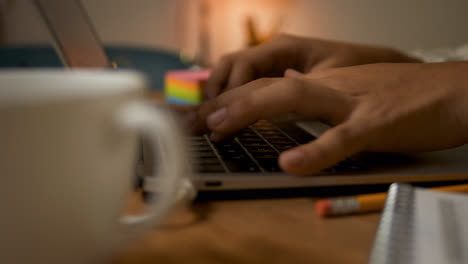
<point x="185" y="86"/>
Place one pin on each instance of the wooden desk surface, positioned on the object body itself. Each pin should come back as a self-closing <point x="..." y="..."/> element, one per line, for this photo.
<point x="254" y="231"/>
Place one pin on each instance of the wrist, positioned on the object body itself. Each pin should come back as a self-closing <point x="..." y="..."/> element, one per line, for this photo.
<point x="451" y="80"/>
<point x="377" y="54"/>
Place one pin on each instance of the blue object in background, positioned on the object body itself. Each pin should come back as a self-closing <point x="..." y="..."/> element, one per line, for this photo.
<point x="28" y="57"/>
<point x="176" y="101"/>
<point x="153" y="62"/>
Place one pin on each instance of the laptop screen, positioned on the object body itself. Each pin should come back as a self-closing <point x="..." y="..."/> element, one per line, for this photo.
<point x="75" y="38"/>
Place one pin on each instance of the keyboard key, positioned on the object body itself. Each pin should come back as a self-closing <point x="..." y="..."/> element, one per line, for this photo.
<point x="282" y="148"/>
<point x="206" y="155"/>
<point x="266" y="156"/>
<point x="274" y="132"/>
<point x="247" y="134"/>
<point x="255" y="145"/>
<point x="201" y="148"/>
<point x="273" y="137"/>
<point x="198" y="143"/>
<point x="251" y="139"/>
<point x="229" y="153"/>
<point x="235" y="157"/>
<point x="263" y="150"/>
<point x="269" y="164"/>
<point x="241" y="165"/>
<point x="208" y="161"/>
<point x="281" y="141"/>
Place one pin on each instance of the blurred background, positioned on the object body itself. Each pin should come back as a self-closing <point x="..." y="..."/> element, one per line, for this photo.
<point x="207" y="29"/>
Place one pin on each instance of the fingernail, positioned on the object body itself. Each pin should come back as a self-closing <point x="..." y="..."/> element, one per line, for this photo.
<point x="294" y="158"/>
<point x="292" y="73"/>
<point x="216" y="118"/>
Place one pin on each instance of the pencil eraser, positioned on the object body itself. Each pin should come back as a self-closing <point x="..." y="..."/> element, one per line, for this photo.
<point x="323" y="208"/>
<point x="185" y="86"/>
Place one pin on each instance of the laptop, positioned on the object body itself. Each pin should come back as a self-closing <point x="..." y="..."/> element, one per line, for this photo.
<point x="249" y="160"/>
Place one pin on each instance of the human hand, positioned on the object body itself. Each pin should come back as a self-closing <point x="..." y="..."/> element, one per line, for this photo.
<point x="273" y="58"/>
<point x="375" y="107"/>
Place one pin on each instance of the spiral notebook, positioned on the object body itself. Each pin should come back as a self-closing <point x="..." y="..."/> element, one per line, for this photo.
<point x="422" y="226"/>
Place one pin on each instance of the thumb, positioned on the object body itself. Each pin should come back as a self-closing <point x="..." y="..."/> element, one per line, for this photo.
<point x="332" y="147"/>
<point x="291" y="73"/>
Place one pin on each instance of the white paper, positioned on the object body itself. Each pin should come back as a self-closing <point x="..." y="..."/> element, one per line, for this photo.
<point x="440" y="227"/>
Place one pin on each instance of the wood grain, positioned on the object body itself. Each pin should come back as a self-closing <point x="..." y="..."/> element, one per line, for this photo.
<point x="254" y="231"/>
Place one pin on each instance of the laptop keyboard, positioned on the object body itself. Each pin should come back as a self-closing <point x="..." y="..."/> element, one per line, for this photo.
<point x="254" y="149"/>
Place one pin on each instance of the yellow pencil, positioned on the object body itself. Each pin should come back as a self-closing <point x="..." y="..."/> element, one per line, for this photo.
<point x="366" y="202"/>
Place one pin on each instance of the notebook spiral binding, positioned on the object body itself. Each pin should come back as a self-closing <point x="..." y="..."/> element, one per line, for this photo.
<point x="392" y="244"/>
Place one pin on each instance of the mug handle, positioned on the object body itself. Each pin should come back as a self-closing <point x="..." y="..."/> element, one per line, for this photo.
<point x="170" y="155"/>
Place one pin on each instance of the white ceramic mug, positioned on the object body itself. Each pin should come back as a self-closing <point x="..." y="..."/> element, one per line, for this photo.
<point x="68" y="148"/>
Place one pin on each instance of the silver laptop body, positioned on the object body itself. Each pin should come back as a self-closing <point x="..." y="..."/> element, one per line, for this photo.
<point x="78" y="45"/>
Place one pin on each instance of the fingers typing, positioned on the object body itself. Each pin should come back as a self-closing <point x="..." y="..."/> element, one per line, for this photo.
<point x="333" y="146"/>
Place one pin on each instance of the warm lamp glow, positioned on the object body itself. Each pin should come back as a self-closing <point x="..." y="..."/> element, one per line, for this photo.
<point x="229" y="22"/>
